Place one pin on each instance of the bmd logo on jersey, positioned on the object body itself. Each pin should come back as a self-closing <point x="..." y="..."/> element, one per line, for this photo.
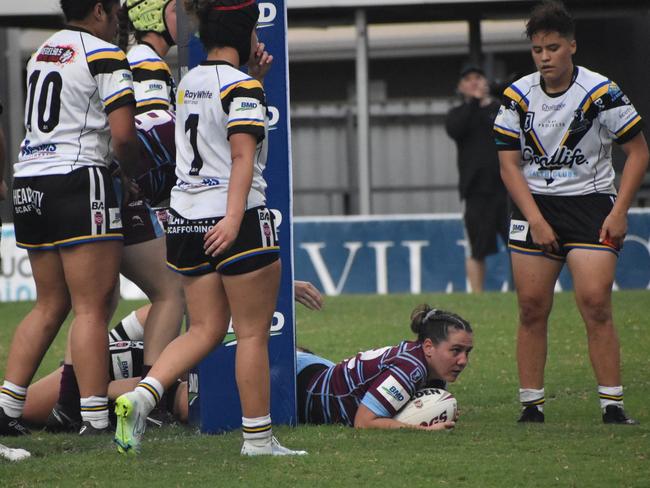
<point x="268" y="13"/>
<point x="393" y="392"/>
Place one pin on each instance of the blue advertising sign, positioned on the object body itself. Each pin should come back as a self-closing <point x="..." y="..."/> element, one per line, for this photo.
<point x="418" y="254"/>
<point x="214" y="400"/>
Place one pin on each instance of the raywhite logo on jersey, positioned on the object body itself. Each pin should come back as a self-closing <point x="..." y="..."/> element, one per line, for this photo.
<point x="393" y="392"/>
<point x="518" y="230"/>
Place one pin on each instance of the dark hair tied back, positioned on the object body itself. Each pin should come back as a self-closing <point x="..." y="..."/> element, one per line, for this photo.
<point x="226" y="23"/>
<point x="434" y="324"/>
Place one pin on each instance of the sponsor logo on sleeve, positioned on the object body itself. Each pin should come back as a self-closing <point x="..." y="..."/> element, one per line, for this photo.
<point x="56" y="54"/>
<point x="393" y="392"/>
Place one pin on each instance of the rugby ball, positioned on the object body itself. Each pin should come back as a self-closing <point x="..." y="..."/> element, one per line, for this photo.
<point x="427" y="407"/>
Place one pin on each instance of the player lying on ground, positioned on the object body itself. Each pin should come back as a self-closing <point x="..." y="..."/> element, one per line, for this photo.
<point x="367" y="390"/>
<point x="53" y="401"/>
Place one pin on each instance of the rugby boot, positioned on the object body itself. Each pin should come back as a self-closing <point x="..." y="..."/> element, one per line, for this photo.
<point x="531" y="414"/>
<point x="131" y="414"/>
<point x="614" y="414"/>
<point x="11" y="427"/>
<point x="268" y="448"/>
<point x="61" y="420"/>
<point x="87" y="429"/>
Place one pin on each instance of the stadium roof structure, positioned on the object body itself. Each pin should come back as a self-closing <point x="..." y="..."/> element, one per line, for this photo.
<point x="46" y="13"/>
<point x="319" y="12"/>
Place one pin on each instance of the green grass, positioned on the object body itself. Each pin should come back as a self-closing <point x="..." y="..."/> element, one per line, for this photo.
<point x="487" y="448"/>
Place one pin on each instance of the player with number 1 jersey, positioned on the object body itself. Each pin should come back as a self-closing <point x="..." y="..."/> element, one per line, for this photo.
<point x="220" y="235"/>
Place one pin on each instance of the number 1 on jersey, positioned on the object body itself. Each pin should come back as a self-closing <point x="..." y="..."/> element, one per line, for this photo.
<point x="192" y="125"/>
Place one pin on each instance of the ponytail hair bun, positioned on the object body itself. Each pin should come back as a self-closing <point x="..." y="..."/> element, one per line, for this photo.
<point x="434" y="324"/>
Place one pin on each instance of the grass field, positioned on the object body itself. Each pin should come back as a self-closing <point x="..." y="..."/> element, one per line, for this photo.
<point x="487" y="448"/>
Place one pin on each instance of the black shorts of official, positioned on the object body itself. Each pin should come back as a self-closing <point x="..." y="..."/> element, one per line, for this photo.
<point x="53" y="211"/>
<point x="141" y="223"/>
<point x="256" y="245"/>
<point x="486" y="218"/>
<point x="577" y="220"/>
<point x="303" y="380"/>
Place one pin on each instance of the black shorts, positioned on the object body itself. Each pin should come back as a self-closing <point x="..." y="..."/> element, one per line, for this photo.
<point x="54" y="211"/>
<point x="576" y="220"/>
<point x="141" y="223"/>
<point x="256" y="245"/>
<point x="486" y="217"/>
<point x="126" y="359"/>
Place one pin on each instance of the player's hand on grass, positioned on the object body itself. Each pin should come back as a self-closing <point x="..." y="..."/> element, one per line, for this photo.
<point x="221" y="236"/>
<point x="448" y="425"/>
<point x="613" y="230"/>
<point x="544" y="236"/>
<point x="308" y="295"/>
<point x="260" y="62"/>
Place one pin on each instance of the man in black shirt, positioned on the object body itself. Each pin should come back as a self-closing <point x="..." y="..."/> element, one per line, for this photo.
<point x="481" y="189"/>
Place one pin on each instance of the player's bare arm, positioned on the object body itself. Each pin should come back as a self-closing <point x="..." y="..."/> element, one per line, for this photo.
<point x="615" y="224"/>
<point x="542" y="233"/>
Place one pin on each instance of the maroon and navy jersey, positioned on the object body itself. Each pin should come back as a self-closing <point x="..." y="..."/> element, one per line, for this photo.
<point x="383" y="380"/>
<point x="156" y="168"/>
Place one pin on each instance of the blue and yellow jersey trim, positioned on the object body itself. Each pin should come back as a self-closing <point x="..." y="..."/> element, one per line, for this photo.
<point x="150" y="65"/>
<point x="152" y="101"/>
<point x="106" y="53"/>
<point x="247" y="84"/>
<point x="535" y="138"/>
<point x="628" y="125"/>
<point x="519" y="98"/>
<point x="506" y="132"/>
<point x="246" y="254"/>
<point x="594" y="94"/>
<point x="117" y="95"/>
<point x="73" y="241"/>
<point x="238" y="122"/>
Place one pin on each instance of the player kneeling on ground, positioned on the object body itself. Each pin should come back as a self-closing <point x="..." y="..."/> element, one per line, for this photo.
<point x="369" y="389"/>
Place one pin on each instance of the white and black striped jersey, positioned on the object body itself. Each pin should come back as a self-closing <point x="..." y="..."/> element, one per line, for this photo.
<point x="215" y="101"/>
<point x="74" y="80"/>
<point x="152" y="80"/>
<point x="566" y="139"/>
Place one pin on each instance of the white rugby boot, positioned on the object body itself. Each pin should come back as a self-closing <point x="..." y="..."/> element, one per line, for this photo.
<point x="271" y="447"/>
